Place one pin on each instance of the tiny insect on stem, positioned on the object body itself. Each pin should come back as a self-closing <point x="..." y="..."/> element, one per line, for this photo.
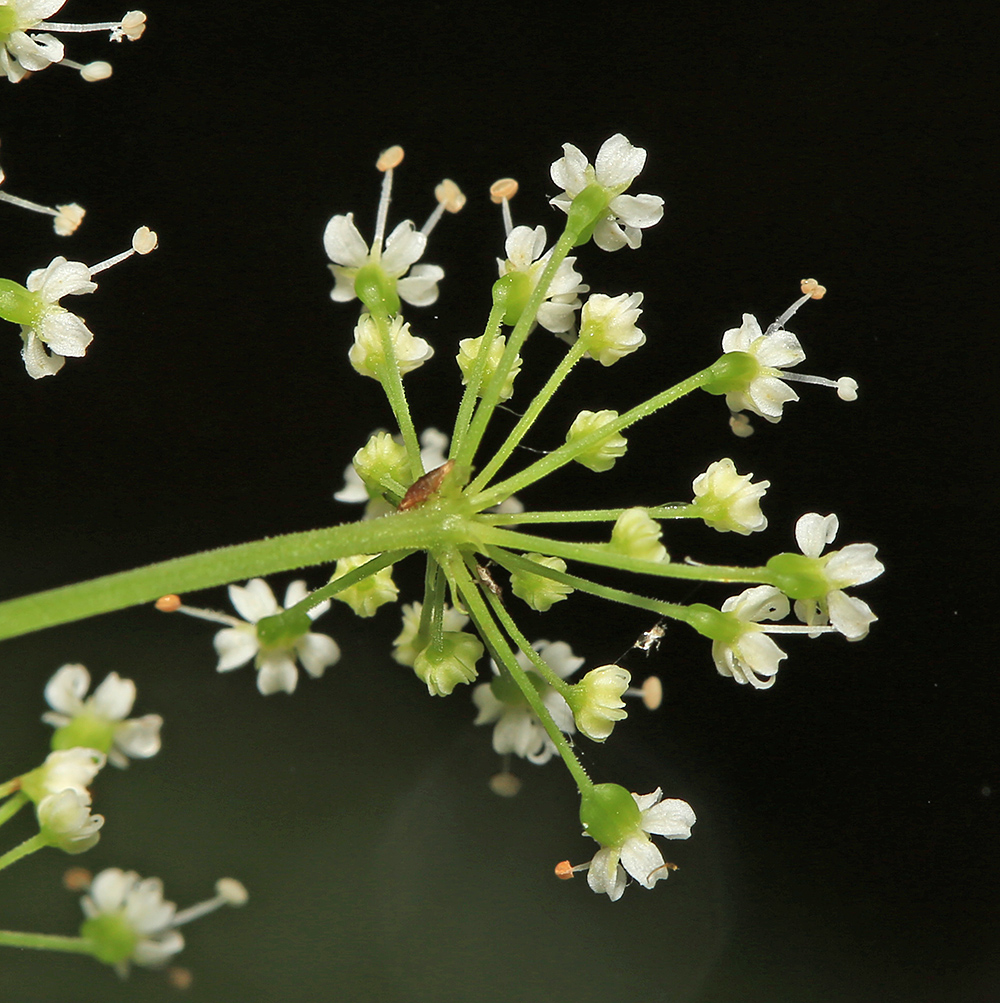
<point x="423" y="487"/>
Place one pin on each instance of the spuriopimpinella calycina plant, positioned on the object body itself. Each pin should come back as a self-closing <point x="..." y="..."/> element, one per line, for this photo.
<point x="485" y="556"/>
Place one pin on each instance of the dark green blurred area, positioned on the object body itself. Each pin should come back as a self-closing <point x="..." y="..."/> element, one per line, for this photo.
<point x="847" y="818"/>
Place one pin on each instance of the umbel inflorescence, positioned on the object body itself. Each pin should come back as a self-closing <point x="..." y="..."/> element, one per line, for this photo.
<point x="436" y="497"/>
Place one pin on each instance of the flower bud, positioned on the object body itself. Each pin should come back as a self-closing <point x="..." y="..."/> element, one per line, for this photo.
<point x="597" y="701"/>
<point x="637" y="535"/>
<point x="603" y="454"/>
<point x="366" y="596"/>
<point x="536" y="590"/>
<point x="452" y="662"/>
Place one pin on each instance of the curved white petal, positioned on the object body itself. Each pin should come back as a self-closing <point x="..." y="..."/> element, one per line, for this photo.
<point x="277" y="673"/>
<point x="343" y="244"/>
<point x="61" y="278"/>
<point x="343" y="284"/>
<point x="66" y="689"/>
<point x="34" y="52"/>
<point x="419" y="288"/>
<point x="608" y="235"/>
<point x="490" y="709"/>
<point x="64" y="332"/>
<point x="780" y="350"/>
<point x="402" y="249"/>
<point x="254" y="601"/>
<point x="768" y="395"/>
<point x="641" y="857"/>
<point x="605" y="876"/>
<point x="814" y="531"/>
<point x="235" y="646"/>
<point x="855" y="564"/>
<point x="30" y="12"/>
<point x="672" y="818"/>
<point x="317" y="652"/>
<point x="618" y="162"/>
<point x="139" y="738"/>
<point x="37" y="361"/>
<point x="570" y="171"/>
<point x="739" y="339"/>
<point x="154" y="953"/>
<point x="637" y="211"/>
<point x="114" y="698"/>
<point x="851" y="616"/>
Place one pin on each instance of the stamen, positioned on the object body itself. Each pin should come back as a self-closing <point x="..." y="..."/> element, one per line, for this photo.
<point x="501" y="192"/>
<point x="91" y="72"/>
<point x="131" y="26"/>
<point x="846" y="387"/>
<point x="811" y="290"/>
<point x="77" y="879"/>
<point x="144" y="240"/>
<point x="387" y="160"/>
<point x="665" y="866"/>
<point x="229" y="891"/>
<point x="564" y="870"/>
<point x="173" y="604"/>
<point x="450" y="198"/>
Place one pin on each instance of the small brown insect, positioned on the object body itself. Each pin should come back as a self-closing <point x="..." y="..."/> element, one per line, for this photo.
<point x="650" y="639"/>
<point x="423" y="487"/>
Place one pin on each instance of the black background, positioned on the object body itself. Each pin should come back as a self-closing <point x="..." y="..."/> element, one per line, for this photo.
<point x="847" y="817"/>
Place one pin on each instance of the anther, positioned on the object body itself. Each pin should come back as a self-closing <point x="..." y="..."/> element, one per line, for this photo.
<point x="144" y="240"/>
<point x="740" y="426"/>
<point x="651" y="692"/>
<point x="450" y="198"/>
<point x="501" y="192"/>
<point x="168" y="604"/>
<point x="811" y="288"/>
<point x="505" y="785"/>
<point x="388" y="159"/>
<point x="77" y="879"/>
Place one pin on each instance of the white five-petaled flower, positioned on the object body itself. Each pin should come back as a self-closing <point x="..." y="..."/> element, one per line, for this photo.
<point x="855" y="564"/>
<point x="764" y="394"/>
<point x="616" y="167"/>
<point x="517" y="729"/>
<point x="54" y="326"/>
<point x="275" y="662"/>
<point x="637" y="854"/>
<point x="752" y="657"/>
<point x="347" y="249"/>
<point x="526" y="255"/>
<point x="129" y="921"/>
<point x="100" y="720"/>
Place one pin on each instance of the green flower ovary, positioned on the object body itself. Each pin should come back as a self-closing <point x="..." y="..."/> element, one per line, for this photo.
<point x="800" y="577"/>
<point x="17" y="304"/>
<point x="282" y="629"/>
<point x="589" y="208"/>
<point x="715" y="624"/>
<point x="376" y="290"/>
<point x="113" y="938"/>
<point x="609" y="814"/>
<point x="514" y="291"/>
<point x="733" y="373"/>
<point x="8" y="23"/>
<point x="87" y="731"/>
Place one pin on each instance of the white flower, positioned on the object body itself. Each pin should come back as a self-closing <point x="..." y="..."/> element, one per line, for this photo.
<point x="131" y="913"/>
<point x="275" y="662"/>
<point x="129" y="921"/>
<point x="19" y="52"/>
<point x="99" y="721"/>
<point x="65" y="769"/>
<point x="855" y="564"/>
<point x="517" y="729"/>
<point x="63" y="332"/>
<point x="607" y="326"/>
<point x="764" y="394"/>
<point x="729" y="501"/>
<point x="347" y="249"/>
<point x="367" y="356"/>
<point x="617" y="164"/>
<point x="65" y="821"/>
<point x="637" y="854"/>
<point x="526" y="255"/>
<point x="751" y="656"/>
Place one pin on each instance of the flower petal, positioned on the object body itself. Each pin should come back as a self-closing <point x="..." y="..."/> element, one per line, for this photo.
<point x="66" y="689"/>
<point x="343" y="244"/>
<point x="618" y="162"/>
